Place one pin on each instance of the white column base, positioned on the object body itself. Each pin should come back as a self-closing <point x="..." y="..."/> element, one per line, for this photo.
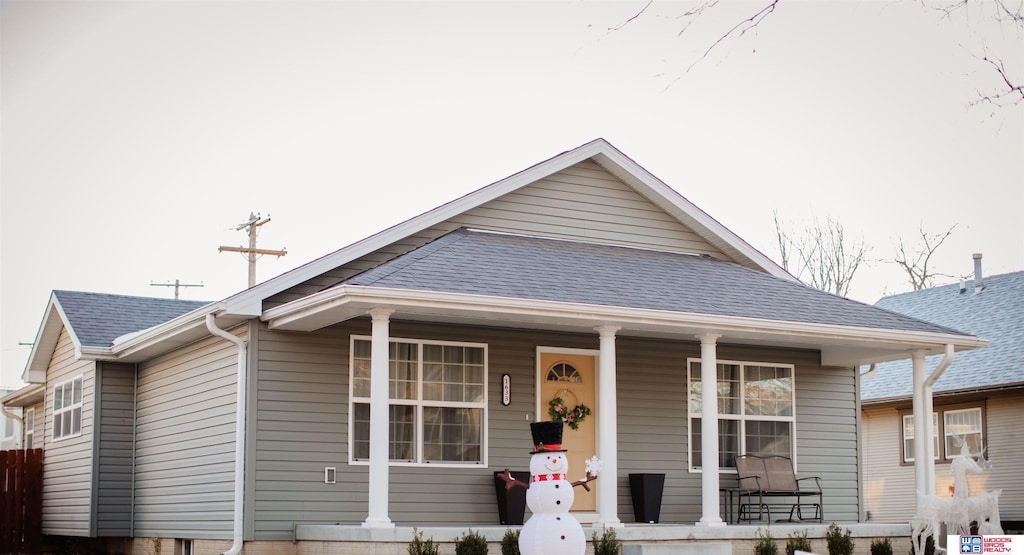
<point x="376" y="523"/>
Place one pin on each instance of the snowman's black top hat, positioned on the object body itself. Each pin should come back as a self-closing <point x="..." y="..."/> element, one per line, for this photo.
<point x="547" y="436"/>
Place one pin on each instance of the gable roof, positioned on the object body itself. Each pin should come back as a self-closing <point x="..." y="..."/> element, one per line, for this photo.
<point x="95" y="320"/>
<point x="249" y="302"/>
<point x="996" y="313"/>
<point x="501" y="265"/>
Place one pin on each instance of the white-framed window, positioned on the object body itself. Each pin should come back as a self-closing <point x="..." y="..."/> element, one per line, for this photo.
<point x="67" y="409"/>
<point x="909" y="433"/>
<point x="950" y="426"/>
<point x="756" y="413"/>
<point x="30" y="427"/>
<point x="438" y="402"/>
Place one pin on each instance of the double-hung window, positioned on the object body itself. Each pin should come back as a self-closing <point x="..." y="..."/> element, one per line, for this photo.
<point x="67" y="408"/>
<point x="951" y="428"/>
<point x="755" y="411"/>
<point x="437" y="402"/>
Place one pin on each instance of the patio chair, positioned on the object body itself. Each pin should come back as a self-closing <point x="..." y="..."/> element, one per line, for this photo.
<point x="774" y="483"/>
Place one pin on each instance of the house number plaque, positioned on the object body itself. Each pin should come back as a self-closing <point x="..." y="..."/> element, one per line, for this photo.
<point x="506" y="389"/>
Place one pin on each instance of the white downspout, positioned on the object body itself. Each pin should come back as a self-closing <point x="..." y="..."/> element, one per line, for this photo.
<point x="928" y="409"/>
<point x="211" y="324"/>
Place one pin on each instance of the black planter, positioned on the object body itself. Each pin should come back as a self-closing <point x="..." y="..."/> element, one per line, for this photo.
<point x="646" y="490"/>
<point x="511" y="503"/>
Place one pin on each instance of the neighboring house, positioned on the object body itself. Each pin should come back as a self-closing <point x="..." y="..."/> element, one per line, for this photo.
<point x="979" y="397"/>
<point x="433" y="343"/>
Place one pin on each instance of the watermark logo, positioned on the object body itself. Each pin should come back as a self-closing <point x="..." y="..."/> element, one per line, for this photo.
<point x="983" y="545"/>
<point x="972" y="544"/>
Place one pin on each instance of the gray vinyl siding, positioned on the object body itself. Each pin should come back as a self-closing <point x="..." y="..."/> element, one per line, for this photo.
<point x="301" y="411"/>
<point x="889" y="486"/>
<point x="1004" y="413"/>
<point x="583" y="202"/>
<point x="115" y="415"/>
<point x="302" y="427"/>
<point x="185" y="442"/>
<point x="67" y="462"/>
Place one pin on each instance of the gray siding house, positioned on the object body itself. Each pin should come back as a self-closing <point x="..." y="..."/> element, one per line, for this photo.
<point x="381" y="386"/>
<point x="979" y="398"/>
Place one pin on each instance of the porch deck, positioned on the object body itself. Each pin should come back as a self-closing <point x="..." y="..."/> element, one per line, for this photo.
<point x="637" y="539"/>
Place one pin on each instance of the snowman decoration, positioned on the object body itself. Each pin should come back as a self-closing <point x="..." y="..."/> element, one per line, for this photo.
<point x="551" y="530"/>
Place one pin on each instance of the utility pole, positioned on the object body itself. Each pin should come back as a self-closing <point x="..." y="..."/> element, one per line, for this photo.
<point x="176" y="285"/>
<point x="252" y="253"/>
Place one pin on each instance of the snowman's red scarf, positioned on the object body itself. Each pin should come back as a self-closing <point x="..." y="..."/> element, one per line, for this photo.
<point x="548" y="477"/>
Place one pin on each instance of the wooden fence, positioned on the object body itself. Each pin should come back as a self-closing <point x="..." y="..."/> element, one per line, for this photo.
<point x="21" y="501"/>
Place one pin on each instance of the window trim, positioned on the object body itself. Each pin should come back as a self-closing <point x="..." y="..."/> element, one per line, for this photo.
<point x="941" y="457"/>
<point x="29" y="435"/>
<point x="740" y="417"/>
<point x="419" y="403"/>
<point x="68" y="409"/>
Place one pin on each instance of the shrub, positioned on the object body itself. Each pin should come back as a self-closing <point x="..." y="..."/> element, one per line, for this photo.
<point x="419" y="547"/>
<point x="881" y="547"/>
<point x="471" y="543"/>
<point x="607" y="544"/>
<point x="798" y="542"/>
<point x="510" y="542"/>
<point x="839" y="543"/>
<point x="929" y="546"/>
<point x="766" y="545"/>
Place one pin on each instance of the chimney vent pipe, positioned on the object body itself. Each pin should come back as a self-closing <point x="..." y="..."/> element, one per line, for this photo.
<point x="979" y="283"/>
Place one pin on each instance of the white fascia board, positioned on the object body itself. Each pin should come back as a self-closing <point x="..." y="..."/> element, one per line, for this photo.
<point x="289" y="316"/>
<point x="194" y="321"/>
<point x="28" y="395"/>
<point x="46" y="340"/>
<point x="250" y="301"/>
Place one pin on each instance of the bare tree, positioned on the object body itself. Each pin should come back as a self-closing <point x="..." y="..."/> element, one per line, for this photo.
<point x="822" y="252"/>
<point x="915" y="261"/>
<point x="1005" y="89"/>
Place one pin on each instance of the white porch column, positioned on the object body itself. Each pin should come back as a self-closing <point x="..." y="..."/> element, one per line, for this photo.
<point x="607" y="425"/>
<point x="922" y="426"/>
<point x="377" y="516"/>
<point x="710" y="511"/>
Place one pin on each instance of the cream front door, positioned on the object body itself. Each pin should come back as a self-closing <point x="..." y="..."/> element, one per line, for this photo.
<point x="570" y="375"/>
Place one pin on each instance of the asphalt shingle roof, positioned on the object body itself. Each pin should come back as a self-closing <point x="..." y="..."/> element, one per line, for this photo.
<point x="99" y="318"/>
<point x="483" y="263"/>
<point x="996" y="314"/>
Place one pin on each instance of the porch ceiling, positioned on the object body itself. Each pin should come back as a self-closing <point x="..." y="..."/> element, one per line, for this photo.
<point x="839" y="345"/>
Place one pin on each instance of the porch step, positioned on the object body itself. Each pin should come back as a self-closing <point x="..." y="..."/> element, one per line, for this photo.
<point x="674" y="548"/>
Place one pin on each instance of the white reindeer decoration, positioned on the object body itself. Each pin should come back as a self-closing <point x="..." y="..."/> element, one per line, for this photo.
<point x="958" y="512"/>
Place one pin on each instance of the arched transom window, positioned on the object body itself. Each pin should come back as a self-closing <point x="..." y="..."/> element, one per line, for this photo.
<point x="564" y="372"/>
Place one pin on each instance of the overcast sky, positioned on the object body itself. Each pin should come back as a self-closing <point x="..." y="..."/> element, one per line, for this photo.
<point x="136" y="136"/>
